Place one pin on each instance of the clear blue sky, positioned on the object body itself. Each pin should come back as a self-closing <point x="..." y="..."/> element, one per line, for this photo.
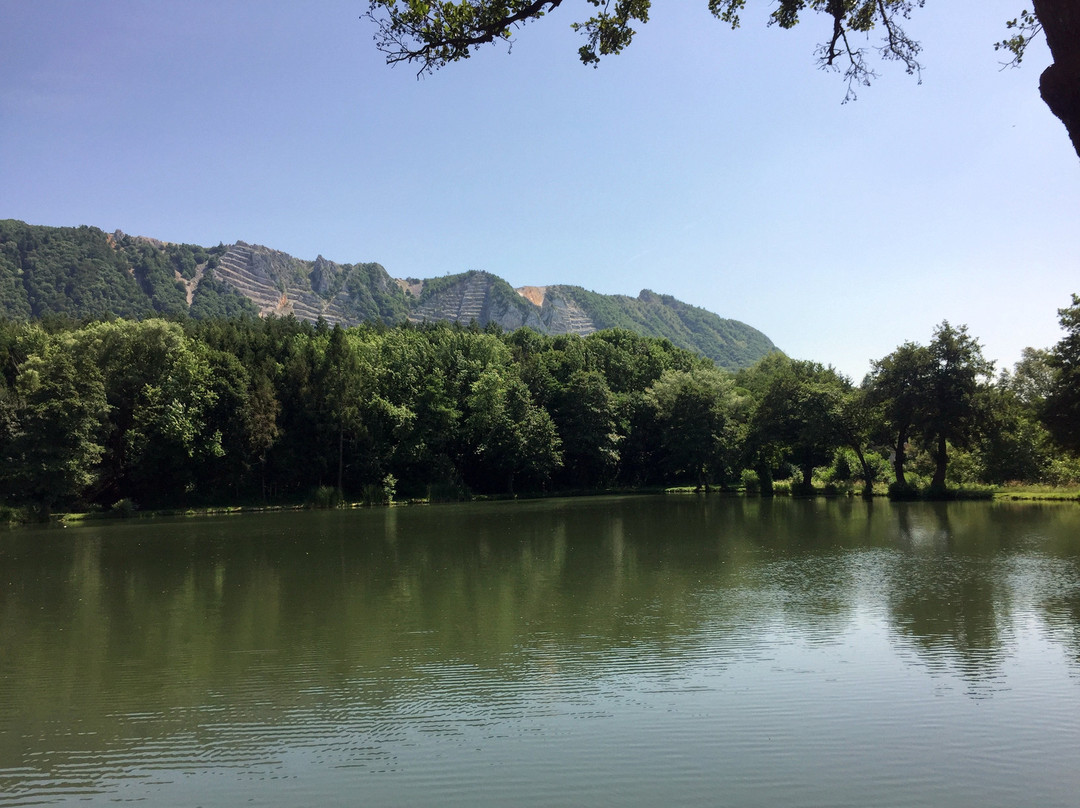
<point x="718" y="166"/>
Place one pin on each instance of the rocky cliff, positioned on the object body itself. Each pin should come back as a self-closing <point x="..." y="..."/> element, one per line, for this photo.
<point x="82" y="272"/>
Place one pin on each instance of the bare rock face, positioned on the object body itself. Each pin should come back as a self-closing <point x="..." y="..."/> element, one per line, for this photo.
<point x="348" y="294"/>
<point x="322" y="275"/>
<point x="282" y="285"/>
<point x="278" y="284"/>
<point x="562" y="316"/>
<point x="511" y="318"/>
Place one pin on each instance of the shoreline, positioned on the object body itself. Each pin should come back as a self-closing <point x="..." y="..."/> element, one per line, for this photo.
<point x="15" y="518"/>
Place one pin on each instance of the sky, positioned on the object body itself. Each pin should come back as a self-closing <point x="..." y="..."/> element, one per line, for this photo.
<point x="717" y="166"/>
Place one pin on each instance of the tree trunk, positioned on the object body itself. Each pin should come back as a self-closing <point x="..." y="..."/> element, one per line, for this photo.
<point x="899" y="457"/>
<point x="766" y="481"/>
<point x="868" y="474"/>
<point x="941" y="458"/>
<point x="1059" y="84"/>
<point x="341" y="457"/>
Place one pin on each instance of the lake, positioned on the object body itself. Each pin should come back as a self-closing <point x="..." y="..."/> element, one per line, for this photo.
<point x="632" y="651"/>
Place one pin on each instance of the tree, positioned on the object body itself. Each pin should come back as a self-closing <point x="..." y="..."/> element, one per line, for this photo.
<point x="511" y="437"/>
<point x="1014" y="446"/>
<point x="584" y="414"/>
<point x="1062" y="408"/>
<point x="697" y="414"/>
<point x="855" y="423"/>
<point x="897" y="386"/>
<point x="159" y="387"/>
<point x="1059" y="84"/>
<point x="1032" y="380"/>
<point x="433" y="33"/>
<point x="931" y="391"/>
<point x="958" y="374"/>
<point x="798" y="415"/>
<point x="55" y="442"/>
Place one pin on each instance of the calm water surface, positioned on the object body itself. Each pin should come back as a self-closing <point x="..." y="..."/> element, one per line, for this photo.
<point x="633" y="651"/>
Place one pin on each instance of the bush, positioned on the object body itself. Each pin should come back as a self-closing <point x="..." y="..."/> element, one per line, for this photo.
<point x="903" y="492"/>
<point x="11" y="516"/>
<point x="381" y="493"/>
<point x="124" y="508"/>
<point x="841" y="470"/>
<point x="447" y="492"/>
<point x="1063" y="471"/>
<point x="751" y="483"/>
<point x="325" y="497"/>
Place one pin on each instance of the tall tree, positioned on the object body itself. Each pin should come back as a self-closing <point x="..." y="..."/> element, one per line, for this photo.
<point x="433" y="33"/>
<point x="697" y="413"/>
<point x="1062" y="408"/>
<point x="897" y="385"/>
<point x="511" y="437"/>
<point x="585" y="416"/>
<point x="958" y="374"/>
<point x="55" y="440"/>
<point x="933" y="392"/>
<point x="159" y="386"/>
<point x="798" y="414"/>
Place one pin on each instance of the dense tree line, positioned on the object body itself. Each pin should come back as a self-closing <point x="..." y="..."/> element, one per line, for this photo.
<point x="157" y="413"/>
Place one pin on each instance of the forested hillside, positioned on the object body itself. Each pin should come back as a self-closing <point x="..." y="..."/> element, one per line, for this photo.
<point x="82" y="272"/>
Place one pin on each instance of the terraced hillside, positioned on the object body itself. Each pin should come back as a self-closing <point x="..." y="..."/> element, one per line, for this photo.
<point x="485" y="298"/>
<point x="84" y="272"/>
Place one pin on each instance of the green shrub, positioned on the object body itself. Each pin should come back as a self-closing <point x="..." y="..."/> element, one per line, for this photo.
<point x="1063" y="471"/>
<point x="751" y="483"/>
<point x="325" y="497"/>
<point x="124" y="508"/>
<point x="448" y="491"/>
<point x="903" y="492"/>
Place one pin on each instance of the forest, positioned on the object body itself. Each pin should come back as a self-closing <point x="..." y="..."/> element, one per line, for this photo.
<point x="117" y="415"/>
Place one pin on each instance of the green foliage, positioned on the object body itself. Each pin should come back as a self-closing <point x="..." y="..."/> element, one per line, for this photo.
<point x="1063" y="471"/>
<point x="729" y="343"/>
<point x="325" y="497"/>
<point x="124" y="508"/>
<point x="939" y="393"/>
<point x="216" y="300"/>
<point x="1026" y="27"/>
<point x="699" y="415"/>
<point x="107" y="414"/>
<point x="54" y="435"/>
<point x="67" y="271"/>
<point x="434" y="33"/>
<point x="798" y="416"/>
<point x="751" y="483"/>
<point x="901" y="491"/>
<point x="1062" y="406"/>
<point x="159" y="388"/>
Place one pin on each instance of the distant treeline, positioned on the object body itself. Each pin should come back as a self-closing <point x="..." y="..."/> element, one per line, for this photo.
<point x="162" y="414"/>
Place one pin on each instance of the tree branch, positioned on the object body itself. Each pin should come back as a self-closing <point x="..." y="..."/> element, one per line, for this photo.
<point x="441" y="31"/>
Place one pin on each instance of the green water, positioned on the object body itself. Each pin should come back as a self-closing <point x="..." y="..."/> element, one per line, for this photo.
<point x="644" y="651"/>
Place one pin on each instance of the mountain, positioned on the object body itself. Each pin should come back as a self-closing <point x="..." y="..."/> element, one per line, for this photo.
<point x="83" y="272"/>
